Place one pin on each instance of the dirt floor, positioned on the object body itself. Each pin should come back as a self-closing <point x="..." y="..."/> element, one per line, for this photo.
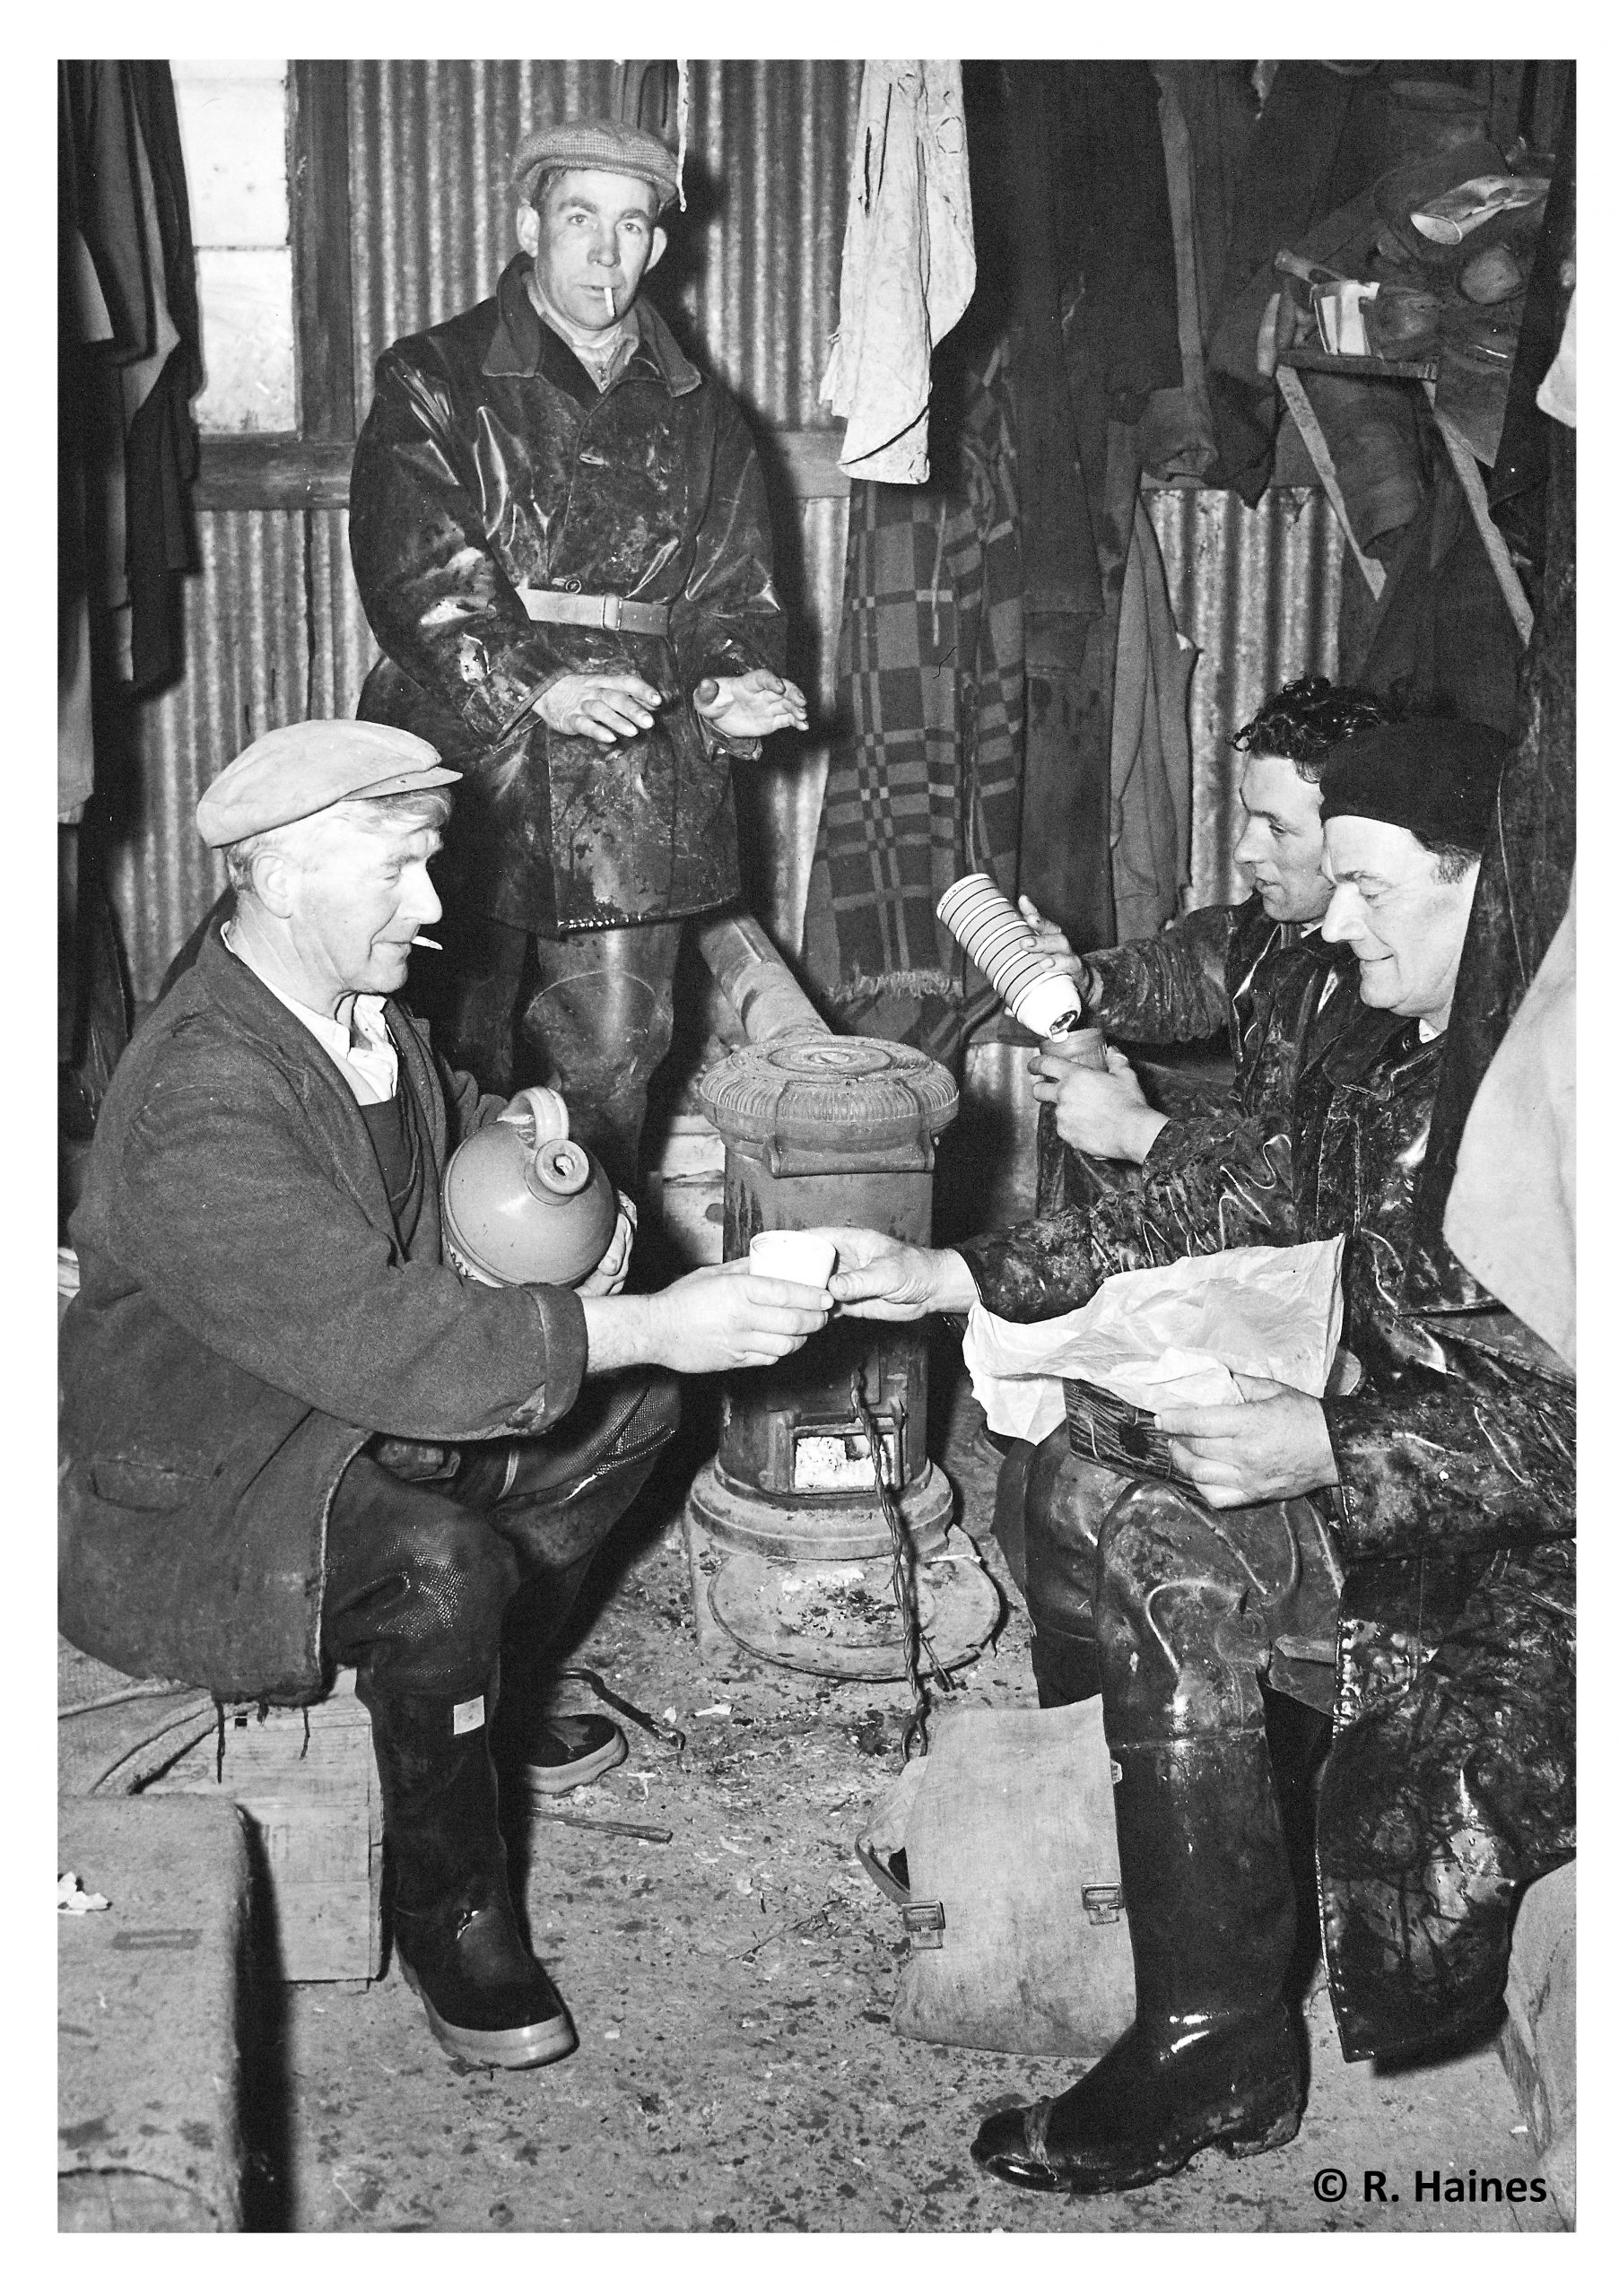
<point x="732" y="1990"/>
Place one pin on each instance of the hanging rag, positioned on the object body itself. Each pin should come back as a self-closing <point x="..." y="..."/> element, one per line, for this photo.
<point x="135" y="374"/>
<point x="925" y="783"/>
<point x="1524" y="880"/>
<point x="1177" y="429"/>
<point x="1511" y="1213"/>
<point x="1152" y="759"/>
<point x="908" y="267"/>
<point x="1555" y="396"/>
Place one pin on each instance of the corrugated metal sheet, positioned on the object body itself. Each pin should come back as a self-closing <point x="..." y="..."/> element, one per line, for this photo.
<point x="752" y="264"/>
<point x="1257" y="592"/>
<point x="246" y="656"/>
<point x="275" y="627"/>
<point x="274" y="631"/>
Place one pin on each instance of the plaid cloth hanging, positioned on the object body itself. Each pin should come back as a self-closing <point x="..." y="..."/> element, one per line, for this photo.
<point x="925" y="781"/>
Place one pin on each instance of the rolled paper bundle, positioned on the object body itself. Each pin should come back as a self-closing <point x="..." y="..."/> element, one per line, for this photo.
<point x="1001" y="943"/>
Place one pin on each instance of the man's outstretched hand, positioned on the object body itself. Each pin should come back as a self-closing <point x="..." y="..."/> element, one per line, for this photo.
<point x="756" y="703"/>
<point x="724" y="1318"/>
<point x="1274" y="1445"/>
<point x="894" y="1282"/>
<point x="603" y="706"/>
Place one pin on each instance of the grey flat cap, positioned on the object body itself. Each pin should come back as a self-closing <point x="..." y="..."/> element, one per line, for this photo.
<point x="609" y="144"/>
<point x="297" y="770"/>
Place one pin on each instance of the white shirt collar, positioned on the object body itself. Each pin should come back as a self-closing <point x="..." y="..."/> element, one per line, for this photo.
<point x="364" y="1051"/>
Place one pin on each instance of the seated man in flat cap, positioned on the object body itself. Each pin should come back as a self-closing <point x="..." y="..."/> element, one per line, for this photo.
<point x="562" y="541"/>
<point x="298" y="1438"/>
<point x="1428" y="1515"/>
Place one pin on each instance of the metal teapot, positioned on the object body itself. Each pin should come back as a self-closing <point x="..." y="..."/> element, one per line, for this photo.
<point x="522" y="1204"/>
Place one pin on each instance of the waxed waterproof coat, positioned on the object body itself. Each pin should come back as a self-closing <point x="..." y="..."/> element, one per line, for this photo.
<point x="1211" y="1181"/>
<point x="1451" y="1782"/>
<point x="489" y="461"/>
<point x="247" y="1318"/>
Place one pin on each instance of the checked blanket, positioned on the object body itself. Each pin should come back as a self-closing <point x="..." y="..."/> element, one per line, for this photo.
<point x="926" y="779"/>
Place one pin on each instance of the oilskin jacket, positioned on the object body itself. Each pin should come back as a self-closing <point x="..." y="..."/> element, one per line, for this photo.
<point x="1450" y="1784"/>
<point x="248" y="1319"/>
<point x="489" y="461"/>
<point x="1212" y="1181"/>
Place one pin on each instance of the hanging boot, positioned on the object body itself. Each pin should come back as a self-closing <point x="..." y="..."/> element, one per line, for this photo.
<point x="1214" y="2056"/>
<point x="487" y="1999"/>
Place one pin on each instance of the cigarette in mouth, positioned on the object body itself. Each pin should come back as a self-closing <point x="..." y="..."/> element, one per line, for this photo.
<point x="612" y="307"/>
<point x="422" y="942"/>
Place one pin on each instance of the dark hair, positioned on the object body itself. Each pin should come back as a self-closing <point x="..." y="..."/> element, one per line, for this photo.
<point x="540" y="180"/>
<point x="1305" y="721"/>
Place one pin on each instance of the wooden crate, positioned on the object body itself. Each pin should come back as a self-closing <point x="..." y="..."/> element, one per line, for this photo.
<point x="316" y="1810"/>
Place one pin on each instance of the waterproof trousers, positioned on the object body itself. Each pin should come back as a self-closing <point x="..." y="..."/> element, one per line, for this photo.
<point x="1448" y="1784"/>
<point x="437" y="1556"/>
<point x="597" y="1021"/>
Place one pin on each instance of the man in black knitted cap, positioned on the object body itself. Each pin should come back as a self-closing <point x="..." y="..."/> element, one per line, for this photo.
<point x="561" y="538"/>
<point x="1405" y="810"/>
<point x="1420" y="1520"/>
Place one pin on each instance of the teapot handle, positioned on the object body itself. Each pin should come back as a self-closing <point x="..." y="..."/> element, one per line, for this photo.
<point x="539" y="1113"/>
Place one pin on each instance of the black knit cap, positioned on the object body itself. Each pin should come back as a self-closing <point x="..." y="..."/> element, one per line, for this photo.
<point x="1436" y="776"/>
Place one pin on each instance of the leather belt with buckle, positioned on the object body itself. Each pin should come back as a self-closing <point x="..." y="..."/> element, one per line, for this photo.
<point x="598" y="610"/>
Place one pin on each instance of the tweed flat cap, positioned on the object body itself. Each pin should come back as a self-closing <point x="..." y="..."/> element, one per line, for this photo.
<point x="1436" y="776"/>
<point x="610" y="143"/>
<point x="297" y="770"/>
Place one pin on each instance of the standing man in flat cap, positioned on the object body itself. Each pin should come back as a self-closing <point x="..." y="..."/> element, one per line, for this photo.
<point x="1427" y="1516"/>
<point x="297" y="1438"/>
<point x="560" y="537"/>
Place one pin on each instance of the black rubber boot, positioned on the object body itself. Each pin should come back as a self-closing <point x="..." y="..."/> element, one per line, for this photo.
<point x="1063" y="1500"/>
<point x="487" y="1999"/>
<point x="1214" y="2056"/>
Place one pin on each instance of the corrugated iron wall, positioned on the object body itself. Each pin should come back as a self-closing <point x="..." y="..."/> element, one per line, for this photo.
<point x="752" y="266"/>
<point x="1257" y="592"/>
<point x="275" y="628"/>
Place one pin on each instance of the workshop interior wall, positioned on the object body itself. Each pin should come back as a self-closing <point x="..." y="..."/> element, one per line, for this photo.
<point x="273" y="628"/>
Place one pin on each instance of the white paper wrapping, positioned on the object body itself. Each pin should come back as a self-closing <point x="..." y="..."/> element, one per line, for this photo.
<point x="1159" y="1337"/>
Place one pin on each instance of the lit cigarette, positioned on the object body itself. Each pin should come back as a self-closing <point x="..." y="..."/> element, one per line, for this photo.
<point x="612" y="308"/>
<point x="422" y="942"/>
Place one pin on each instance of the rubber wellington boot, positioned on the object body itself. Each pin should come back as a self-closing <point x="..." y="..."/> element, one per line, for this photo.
<point x="487" y="1999"/>
<point x="1214" y="2056"/>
